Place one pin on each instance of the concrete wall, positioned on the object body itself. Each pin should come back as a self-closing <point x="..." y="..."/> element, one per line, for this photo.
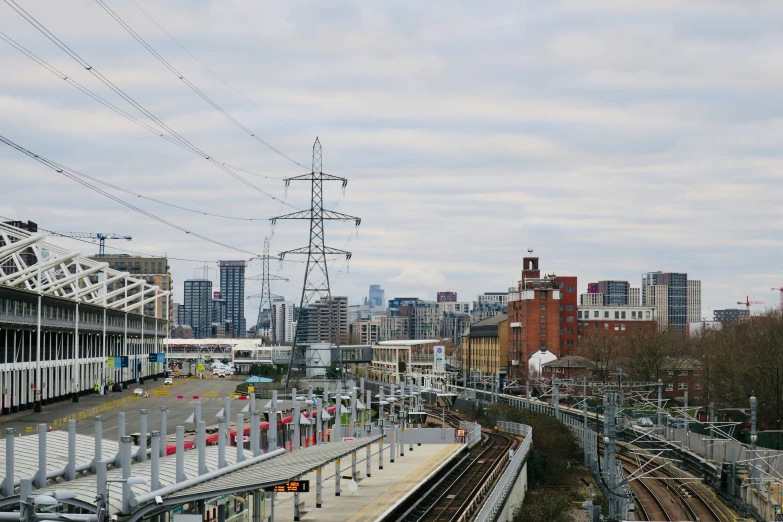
<point x="516" y="497"/>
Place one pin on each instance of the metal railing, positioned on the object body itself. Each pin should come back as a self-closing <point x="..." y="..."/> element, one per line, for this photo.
<point x="497" y="499"/>
<point x="474" y="432"/>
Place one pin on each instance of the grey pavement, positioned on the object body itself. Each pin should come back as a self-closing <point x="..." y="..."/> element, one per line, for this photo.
<point x="178" y="409"/>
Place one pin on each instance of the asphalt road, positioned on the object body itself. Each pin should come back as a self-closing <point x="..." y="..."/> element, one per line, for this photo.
<point x="178" y="409"/>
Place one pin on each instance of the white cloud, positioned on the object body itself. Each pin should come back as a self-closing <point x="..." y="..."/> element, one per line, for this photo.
<point x="418" y="277"/>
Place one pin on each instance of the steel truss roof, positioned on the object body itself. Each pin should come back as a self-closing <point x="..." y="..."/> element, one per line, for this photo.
<point x="61" y="273"/>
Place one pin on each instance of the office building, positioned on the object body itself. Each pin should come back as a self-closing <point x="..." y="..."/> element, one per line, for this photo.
<point x="541" y="316"/>
<point x="377" y="297"/>
<point x="485" y="346"/>
<point x="425" y="318"/>
<point x="730" y="315"/>
<point x="198" y="298"/>
<point x="493" y="297"/>
<point x="658" y="296"/>
<point x="182" y="318"/>
<point x="232" y="289"/>
<point x="453" y="326"/>
<point x="364" y="312"/>
<point x="447" y="297"/>
<point x="694" y="301"/>
<point x="592" y="288"/>
<point x="154" y="270"/>
<point x="591" y="299"/>
<point x="486" y="309"/>
<point x="454" y="306"/>
<point x="613" y="321"/>
<point x="399" y="301"/>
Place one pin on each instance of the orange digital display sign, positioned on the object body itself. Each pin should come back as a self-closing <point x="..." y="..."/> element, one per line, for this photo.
<point x="293" y="486"/>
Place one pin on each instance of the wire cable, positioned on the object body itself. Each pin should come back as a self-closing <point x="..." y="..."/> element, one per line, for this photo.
<point x="213" y="73"/>
<point x="173" y="134"/>
<point x="67" y="172"/>
<point x="192" y="87"/>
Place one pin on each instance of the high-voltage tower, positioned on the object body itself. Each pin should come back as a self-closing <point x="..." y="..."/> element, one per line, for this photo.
<point x="266" y="293"/>
<point x="316" y="278"/>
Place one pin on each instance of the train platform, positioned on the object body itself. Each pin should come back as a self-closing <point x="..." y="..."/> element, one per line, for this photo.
<point x="375" y="495"/>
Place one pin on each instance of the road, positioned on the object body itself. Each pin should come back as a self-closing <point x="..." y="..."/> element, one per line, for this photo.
<point x="178" y="409"/>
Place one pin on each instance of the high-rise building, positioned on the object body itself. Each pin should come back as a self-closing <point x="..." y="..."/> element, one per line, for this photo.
<point x="220" y="313"/>
<point x="677" y="303"/>
<point x="591" y="299"/>
<point x="541" y="315"/>
<point x="453" y="325"/>
<point x="182" y="317"/>
<point x="634" y="296"/>
<point x="399" y="301"/>
<point x="282" y="314"/>
<point x="454" y="306"/>
<point x="377" y="296"/>
<point x="425" y="318"/>
<point x="615" y="292"/>
<point x="198" y="298"/>
<point x="325" y="319"/>
<point x="694" y="301"/>
<point x="155" y="270"/>
<point x="658" y="297"/>
<point x="486" y="309"/>
<point x="447" y="297"/>
<point x="592" y="288"/>
<point x="232" y="289"/>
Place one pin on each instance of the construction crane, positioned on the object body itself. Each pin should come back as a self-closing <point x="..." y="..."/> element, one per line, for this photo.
<point x="747" y="302"/>
<point x="101" y="237"/>
<point x="781" y="295"/>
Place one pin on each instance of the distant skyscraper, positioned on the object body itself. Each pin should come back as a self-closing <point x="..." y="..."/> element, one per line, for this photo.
<point x="282" y="314"/>
<point x="377" y="296"/>
<point x="592" y="288"/>
<point x="219" y="310"/>
<point x="730" y="315"/>
<point x="198" y="297"/>
<point x="232" y="289"/>
<point x="447" y="297"/>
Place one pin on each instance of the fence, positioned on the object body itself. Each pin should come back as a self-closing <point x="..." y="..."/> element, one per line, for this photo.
<point x="474" y="432"/>
<point x="500" y="493"/>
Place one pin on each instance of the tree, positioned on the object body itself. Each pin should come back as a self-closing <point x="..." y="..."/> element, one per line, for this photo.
<point x="603" y="351"/>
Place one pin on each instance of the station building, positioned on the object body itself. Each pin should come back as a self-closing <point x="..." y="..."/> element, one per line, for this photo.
<point x="69" y="323"/>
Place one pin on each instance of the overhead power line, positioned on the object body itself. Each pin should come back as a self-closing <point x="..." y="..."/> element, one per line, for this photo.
<point x="69" y="173"/>
<point x="190" y="84"/>
<point x="213" y="73"/>
<point x="103" y="79"/>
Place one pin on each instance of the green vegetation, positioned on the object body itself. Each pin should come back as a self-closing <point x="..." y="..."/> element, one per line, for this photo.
<point x="555" y="474"/>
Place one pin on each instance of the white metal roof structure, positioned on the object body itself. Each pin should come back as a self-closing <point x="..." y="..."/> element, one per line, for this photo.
<point x="26" y="456"/>
<point x="86" y="488"/>
<point x="57" y="272"/>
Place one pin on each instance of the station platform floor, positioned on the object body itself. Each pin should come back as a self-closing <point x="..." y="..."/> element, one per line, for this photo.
<point x="375" y="495"/>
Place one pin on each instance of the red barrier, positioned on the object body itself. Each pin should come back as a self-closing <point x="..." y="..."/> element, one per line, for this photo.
<point x="179" y="396"/>
<point x="195" y="396"/>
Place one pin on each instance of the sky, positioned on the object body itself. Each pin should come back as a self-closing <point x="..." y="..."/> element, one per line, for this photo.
<point x="611" y="137"/>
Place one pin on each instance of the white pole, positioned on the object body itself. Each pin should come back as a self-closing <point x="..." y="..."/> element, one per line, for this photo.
<point x="37" y="406"/>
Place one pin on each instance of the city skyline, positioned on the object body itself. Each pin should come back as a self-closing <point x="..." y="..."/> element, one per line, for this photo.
<point x="619" y="174"/>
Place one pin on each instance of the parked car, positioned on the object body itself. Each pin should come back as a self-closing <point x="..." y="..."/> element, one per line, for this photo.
<point x="138" y="392"/>
<point x="169" y="381"/>
<point x="117" y="387"/>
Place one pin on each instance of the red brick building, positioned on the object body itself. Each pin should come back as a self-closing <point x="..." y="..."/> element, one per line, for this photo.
<point x="447" y="297"/>
<point x="613" y="322"/>
<point x="541" y="316"/>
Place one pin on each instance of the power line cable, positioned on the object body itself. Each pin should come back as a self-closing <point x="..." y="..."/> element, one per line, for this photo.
<point x="67" y="172"/>
<point x="176" y="136"/>
<point x="190" y="84"/>
<point x="213" y="73"/>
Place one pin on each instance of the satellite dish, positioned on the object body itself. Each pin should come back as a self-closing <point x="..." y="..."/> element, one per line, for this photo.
<point x="353" y="486"/>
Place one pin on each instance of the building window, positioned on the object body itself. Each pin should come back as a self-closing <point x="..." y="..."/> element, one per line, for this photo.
<point x="669" y="372"/>
<point x="616" y="327"/>
<point x="570" y="308"/>
<point x="606" y="314"/>
<point x="697" y="386"/>
<point x="570" y="289"/>
<point x="561" y="307"/>
<point x="622" y="326"/>
<point x="606" y="326"/>
<point x="682" y="385"/>
<point x="622" y="315"/>
<point x="595" y="314"/>
<point x="616" y="314"/>
<point x="569" y="342"/>
<point x="561" y="331"/>
<point x="570" y="330"/>
<point x="543" y="345"/>
<point x="633" y="314"/>
<point x="579" y="314"/>
<point x="682" y="372"/>
<point x="543" y="331"/>
<point x="570" y="319"/>
<point x="560" y="284"/>
<point x="543" y="295"/>
<point x="647" y="314"/>
<point x="543" y="306"/>
<point x="670" y="387"/>
<point x="543" y="318"/>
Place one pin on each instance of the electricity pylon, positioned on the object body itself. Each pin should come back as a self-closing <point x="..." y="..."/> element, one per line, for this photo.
<point x="316" y="277"/>
<point x="266" y="292"/>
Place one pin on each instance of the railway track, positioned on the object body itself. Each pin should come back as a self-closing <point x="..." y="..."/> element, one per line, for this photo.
<point x="666" y="494"/>
<point x="452" y="495"/>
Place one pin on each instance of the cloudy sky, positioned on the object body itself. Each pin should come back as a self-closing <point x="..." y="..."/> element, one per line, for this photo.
<point x="612" y="137"/>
